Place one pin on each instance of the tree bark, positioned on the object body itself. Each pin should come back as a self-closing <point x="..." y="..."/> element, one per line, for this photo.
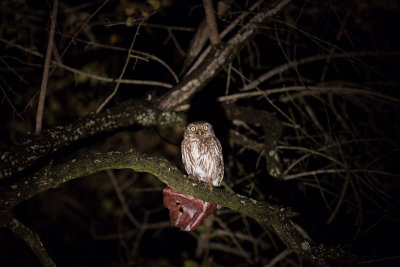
<point x="276" y="216"/>
<point x="30" y="149"/>
<point x="216" y="60"/>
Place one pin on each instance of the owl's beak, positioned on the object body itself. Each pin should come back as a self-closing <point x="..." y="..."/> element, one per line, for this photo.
<point x="199" y="132"/>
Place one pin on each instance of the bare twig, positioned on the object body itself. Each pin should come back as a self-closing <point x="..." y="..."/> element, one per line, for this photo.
<point x="171" y="36"/>
<point x="112" y="80"/>
<point x="20" y="77"/>
<point x="292" y="64"/>
<point x="121" y="199"/>
<point x="43" y="87"/>
<point x="223" y="34"/>
<point x="341" y="199"/>
<point x="152" y="25"/>
<point x="316" y="172"/>
<point x="9" y="102"/>
<point x="100" y="78"/>
<point x="83" y="26"/>
<point x="226" y="249"/>
<point x="279" y="257"/>
<point x="306" y="90"/>
<point x="235" y="241"/>
<point x="215" y="61"/>
<point x="122" y="72"/>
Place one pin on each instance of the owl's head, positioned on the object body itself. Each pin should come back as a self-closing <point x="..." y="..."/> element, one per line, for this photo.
<point x="200" y="129"/>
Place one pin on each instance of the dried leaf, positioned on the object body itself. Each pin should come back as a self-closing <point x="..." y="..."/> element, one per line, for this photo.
<point x="186" y="212"/>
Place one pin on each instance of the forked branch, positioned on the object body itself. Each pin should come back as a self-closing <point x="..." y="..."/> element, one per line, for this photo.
<point x="276" y="216"/>
<point x="216" y="60"/>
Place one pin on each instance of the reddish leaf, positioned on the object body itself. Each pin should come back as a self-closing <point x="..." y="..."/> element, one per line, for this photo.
<point x="186" y="212"/>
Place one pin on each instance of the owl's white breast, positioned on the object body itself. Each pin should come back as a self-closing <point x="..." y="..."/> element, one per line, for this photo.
<point x="201" y="156"/>
<point x="203" y="159"/>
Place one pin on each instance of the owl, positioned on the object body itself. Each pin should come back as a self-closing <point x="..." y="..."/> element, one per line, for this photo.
<point x="202" y="154"/>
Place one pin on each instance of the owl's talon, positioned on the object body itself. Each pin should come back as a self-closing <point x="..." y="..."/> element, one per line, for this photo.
<point x="209" y="185"/>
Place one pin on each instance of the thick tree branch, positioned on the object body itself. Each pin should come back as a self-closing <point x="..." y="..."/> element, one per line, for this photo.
<point x="276" y="216"/>
<point x="53" y="176"/>
<point x="211" y="22"/>
<point x="32" y="148"/>
<point x="216" y="60"/>
<point x="197" y="43"/>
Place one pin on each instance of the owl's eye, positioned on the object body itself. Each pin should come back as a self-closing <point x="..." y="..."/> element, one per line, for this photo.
<point x="205" y="127"/>
<point x="193" y="128"/>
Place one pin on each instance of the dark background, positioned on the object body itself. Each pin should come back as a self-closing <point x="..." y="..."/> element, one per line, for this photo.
<point x="82" y="223"/>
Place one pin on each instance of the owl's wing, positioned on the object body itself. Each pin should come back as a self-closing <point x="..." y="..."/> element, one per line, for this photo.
<point x="187" y="157"/>
<point x="219" y="160"/>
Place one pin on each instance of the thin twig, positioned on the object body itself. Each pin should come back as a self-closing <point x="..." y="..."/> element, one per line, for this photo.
<point x="341" y="199"/>
<point x="223" y="34"/>
<point x="22" y="48"/>
<point x="152" y="25"/>
<point x="279" y="257"/>
<point x="122" y="73"/>
<point x="59" y="64"/>
<point x="310" y="173"/>
<point x="214" y="62"/>
<point x="9" y="102"/>
<point x="293" y="64"/>
<point x="305" y="90"/>
<point x="111" y="80"/>
<point x="238" y="245"/>
<point x="121" y="199"/>
<point x="150" y="56"/>
<point x="179" y="48"/>
<point x="43" y="86"/>
<point x="83" y="26"/>
<point x="20" y="77"/>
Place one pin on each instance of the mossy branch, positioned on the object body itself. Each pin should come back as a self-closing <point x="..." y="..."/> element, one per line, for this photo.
<point x="276" y="216"/>
<point x="30" y="149"/>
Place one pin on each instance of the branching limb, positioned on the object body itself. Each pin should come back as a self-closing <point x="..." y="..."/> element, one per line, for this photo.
<point x="276" y="216"/>
<point x="161" y="168"/>
<point x="32" y="148"/>
<point x="216" y="60"/>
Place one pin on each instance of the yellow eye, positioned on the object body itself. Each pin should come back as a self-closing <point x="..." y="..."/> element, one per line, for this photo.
<point x="205" y="127"/>
<point x="193" y="128"/>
